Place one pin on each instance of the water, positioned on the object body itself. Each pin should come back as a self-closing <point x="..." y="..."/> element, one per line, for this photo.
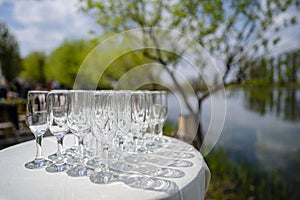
<point x="261" y="126"/>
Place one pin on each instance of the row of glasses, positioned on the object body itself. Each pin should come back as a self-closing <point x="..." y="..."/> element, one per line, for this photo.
<point x="109" y="115"/>
<point x="58" y="111"/>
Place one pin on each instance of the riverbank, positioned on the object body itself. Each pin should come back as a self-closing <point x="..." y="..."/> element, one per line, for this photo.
<point x="230" y="180"/>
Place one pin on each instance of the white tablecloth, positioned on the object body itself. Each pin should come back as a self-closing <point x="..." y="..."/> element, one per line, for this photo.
<point x="17" y="182"/>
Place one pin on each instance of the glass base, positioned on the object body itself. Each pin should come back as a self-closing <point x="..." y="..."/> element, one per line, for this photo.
<point x="143" y="150"/>
<point x="73" y="160"/>
<point x="121" y="166"/>
<point x="153" y="146"/>
<point x="78" y="171"/>
<point x="95" y="163"/>
<point x="37" y="163"/>
<point x="161" y="140"/>
<point x="55" y="157"/>
<point x="135" y="158"/>
<point x="101" y="177"/>
<point x="53" y="168"/>
<point x="72" y="151"/>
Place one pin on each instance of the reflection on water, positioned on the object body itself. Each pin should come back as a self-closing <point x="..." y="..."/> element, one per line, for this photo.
<point x="284" y="103"/>
<point x="263" y="127"/>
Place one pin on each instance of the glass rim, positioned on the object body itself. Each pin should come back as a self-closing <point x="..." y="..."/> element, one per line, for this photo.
<point x="38" y="91"/>
<point x="81" y="91"/>
<point x="103" y="92"/>
<point x="58" y="91"/>
<point x="157" y="91"/>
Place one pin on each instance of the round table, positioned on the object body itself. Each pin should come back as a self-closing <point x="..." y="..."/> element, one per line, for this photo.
<point x="187" y="176"/>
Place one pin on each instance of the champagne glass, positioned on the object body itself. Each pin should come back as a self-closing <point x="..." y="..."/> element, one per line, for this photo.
<point x="122" y="108"/>
<point x="154" y="116"/>
<point x="158" y="114"/>
<point x="97" y="108"/>
<point x="148" y="102"/>
<point x="104" y="125"/>
<point x="138" y="115"/>
<point x="57" y="101"/>
<point x="36" y="117"/>
<point x="79" y="111"/>
<point x="163" y="110"/>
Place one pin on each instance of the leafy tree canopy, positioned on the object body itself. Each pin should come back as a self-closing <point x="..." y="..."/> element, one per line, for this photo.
<point x="64" y="61"/>
<point x="33" y="67"/>
<point x="233" y="31"/>
<point x="10" y="61"/>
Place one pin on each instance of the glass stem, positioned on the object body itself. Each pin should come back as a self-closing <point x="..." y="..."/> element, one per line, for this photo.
<point x="121" y="146"/>
<point x="59" y="147"/>
<point x="81" y="150"/>
<point x="97" y="150"/>
<point x="143" y="144"/>
<point x="152" y="128"/>
<point x="105" y="158"/>
<point x="135" y="141"/>
<point x="160" y="129"/>
<point x="38" y="141"/>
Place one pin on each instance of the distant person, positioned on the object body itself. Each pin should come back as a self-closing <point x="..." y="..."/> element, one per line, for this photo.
<point x="3" y="93"/>
<point x="53" y="84"/>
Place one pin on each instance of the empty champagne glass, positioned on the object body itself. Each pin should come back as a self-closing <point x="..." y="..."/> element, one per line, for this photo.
<point x="138" y="116"/>
<point x="158" y="115"/>
<point x="122" y="109"/>
<point x="36" y="117"/>
<point x="148" y="102"/>
<point x="104" y="126"/>
<point x="57" y="101"/>
<point x="163" y="110"/>
<point x="79" y="111"/>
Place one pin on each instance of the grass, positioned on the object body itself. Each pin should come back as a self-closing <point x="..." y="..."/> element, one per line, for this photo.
<point x="230" y="180"/>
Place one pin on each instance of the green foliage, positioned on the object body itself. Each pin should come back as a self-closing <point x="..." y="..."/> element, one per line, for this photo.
<point x="233" y="31"/>
<point x="230" y="180"/>
<point x="281" y="70"/>
<point x="169" y="129"/>
<point x="121" y="65"/>
<point x="10" y="61"/>
<point x="33" y="67"/>
<point x="64" y="62"/>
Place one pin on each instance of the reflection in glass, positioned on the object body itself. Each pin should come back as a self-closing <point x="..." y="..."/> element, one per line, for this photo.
<point x="79" y="112"/>
<point x="104" y="125"/>
<point x="57" y="120"/>
<point x="36" y="117"/>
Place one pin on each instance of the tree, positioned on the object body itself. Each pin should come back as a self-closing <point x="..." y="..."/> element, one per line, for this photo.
<point x="10" y="60"/>
<point x="232" y="31"/>
<point x="64" y="61"/>
<point x="33" y="67"/>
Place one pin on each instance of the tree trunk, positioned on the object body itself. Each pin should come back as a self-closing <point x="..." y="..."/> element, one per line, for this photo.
<point x="198" y="140"/>
<point x="190" y="130"/>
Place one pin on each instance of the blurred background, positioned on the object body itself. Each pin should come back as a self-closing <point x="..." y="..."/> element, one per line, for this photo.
<point x="254" y="44"/>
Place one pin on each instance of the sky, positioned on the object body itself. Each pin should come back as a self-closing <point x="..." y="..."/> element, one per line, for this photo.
<point x="41" y="25"/>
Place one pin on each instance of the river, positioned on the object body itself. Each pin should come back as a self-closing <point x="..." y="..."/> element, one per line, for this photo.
<point x="262" y="126"/>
